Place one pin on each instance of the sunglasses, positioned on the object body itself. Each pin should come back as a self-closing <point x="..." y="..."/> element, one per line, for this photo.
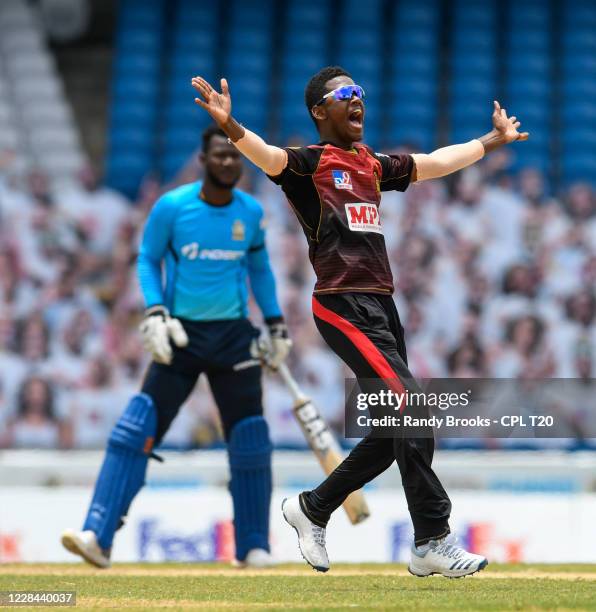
<point x="343" y="93"/>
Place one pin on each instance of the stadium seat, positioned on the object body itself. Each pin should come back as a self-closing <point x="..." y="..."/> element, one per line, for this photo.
<point x="413" y="69"/>
<point x="134" y="112"/>
<point x="578" y="168"/>
<point x="135" y="89"/>
<point x="172" y="163"/>
<point x="138" y="39"/>
<point x="35" y="118"/>
<point x="193" y="40"/>
<point x="495" y="50"/>
<point x="579" y="87"/>
<point x="578" y="90"/>
<point x="137" y="68"/>
<point x="248" y="59"/>
<point x="414" y="41"/>
<point x="578" y="64"/>
<point x="473" y="62"/>
<point x="131" y="138"/>
<point x="199" y="41"/>
<point x="419" y="14"/>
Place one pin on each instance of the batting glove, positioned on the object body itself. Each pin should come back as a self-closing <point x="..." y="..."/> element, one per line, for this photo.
<point x="156" y="330"/>
<point x="280" y="343"/>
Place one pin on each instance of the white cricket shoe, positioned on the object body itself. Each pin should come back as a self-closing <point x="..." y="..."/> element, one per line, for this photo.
<point x="311" y="537"/>
<point x="446" y="558"/>
<point x="84" y="544"/>
<point x="256" y="558"/>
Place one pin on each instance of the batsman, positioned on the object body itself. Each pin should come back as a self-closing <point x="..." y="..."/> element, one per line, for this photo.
<point x="203" y="244"/>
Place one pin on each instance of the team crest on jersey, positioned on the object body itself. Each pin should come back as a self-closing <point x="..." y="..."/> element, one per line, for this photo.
<point x="342" y="179"/>
<point x="238" y="230"/>
<point x="363" y="217"/>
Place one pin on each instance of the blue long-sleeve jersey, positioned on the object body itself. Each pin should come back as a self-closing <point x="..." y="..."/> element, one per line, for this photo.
<point x="209" y="253"/>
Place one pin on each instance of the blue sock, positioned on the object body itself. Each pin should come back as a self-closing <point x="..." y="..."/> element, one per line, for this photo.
<point x="249" y="451"/>
<point x="123" y="471"/>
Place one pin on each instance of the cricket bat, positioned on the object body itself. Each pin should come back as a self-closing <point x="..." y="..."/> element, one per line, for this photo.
<point x="322" y="442"/>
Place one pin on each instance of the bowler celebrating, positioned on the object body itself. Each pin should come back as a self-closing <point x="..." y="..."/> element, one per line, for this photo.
<point x="335" y="190"/>
<point x="210" y="240"/>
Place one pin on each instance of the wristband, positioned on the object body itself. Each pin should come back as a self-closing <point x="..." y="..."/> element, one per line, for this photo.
<point x="158" y="309"/>
<point x="233" y="130"/>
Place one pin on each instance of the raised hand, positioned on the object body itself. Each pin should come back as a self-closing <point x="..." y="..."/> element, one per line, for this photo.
<point x="218" y="105"/>
<point x="507" y="127"/>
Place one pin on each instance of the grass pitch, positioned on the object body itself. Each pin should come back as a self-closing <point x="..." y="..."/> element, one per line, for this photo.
<point x="297" y="587"/>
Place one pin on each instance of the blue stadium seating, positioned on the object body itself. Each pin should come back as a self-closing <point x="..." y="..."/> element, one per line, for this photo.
<point x="248" y="59"/>
<point x="578" y="87"/>
<point x="528" y="88"/>
<point x="138" y="39"/>
<point x="473" y="63"/>
<point x="126" y="169"/>
<point x="135" y="93"/>
<point x="537" y="57"/>
<point x="413" y="71"/>
<point x="360" y="47"/>
<point x="191" y="52"/>
<point x="304" y="52"/>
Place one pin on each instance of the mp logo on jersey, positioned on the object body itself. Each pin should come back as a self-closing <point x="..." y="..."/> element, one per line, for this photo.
<point x="363" y="217"/>
<point x="342" y="179"/>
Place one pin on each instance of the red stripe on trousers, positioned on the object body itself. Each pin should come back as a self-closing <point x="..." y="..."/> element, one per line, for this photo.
<point x="362" y="342"/>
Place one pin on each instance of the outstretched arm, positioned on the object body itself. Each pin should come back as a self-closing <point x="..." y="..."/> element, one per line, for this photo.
<point x="272" y="160"/>
<point x="455" y="157"/>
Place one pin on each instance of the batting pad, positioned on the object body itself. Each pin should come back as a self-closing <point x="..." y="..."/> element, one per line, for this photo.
<point x="123" y="471"/>
<point x="249" y="451"/>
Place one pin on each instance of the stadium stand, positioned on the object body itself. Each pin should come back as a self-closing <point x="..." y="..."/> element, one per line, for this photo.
<point x="35" y="118"/>
<point x="473" y="78"/>
<point x="495" y="272"/>
<point x="360" y="48"/>
<point x="136" y="94"/>
<point x="248" y="59"/>
<point x="529" y="74"/>
<point x="305" y="50"/>
<point x="578" y="101"/>
<point x="414" y="75"/>
<point x="191" y="51"/>
<point x="409" y="65"/>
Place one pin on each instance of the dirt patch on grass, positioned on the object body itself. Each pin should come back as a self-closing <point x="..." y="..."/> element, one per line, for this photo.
<point x="65" y="570"/>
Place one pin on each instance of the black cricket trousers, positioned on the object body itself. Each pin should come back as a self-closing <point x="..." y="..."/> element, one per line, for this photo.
<point x="364" y="330"/>
<point x="220" y="349"/>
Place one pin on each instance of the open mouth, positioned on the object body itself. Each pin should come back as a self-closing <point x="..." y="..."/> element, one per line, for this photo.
<point x="355" y="118"/>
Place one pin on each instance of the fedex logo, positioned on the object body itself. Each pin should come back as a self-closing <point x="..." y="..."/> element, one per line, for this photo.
<point x="342" y="179"/>
<point x="363" y="217"/>
<point x="156" y="542"/>
<point x="478" y="538"/>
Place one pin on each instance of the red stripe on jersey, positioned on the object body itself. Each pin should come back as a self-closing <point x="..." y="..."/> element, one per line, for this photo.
<point x="362" y="342"/>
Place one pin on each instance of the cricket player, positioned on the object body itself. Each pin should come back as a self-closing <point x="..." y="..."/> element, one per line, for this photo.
<point x="335" y="190"/>
<point x="209" y="239"/>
